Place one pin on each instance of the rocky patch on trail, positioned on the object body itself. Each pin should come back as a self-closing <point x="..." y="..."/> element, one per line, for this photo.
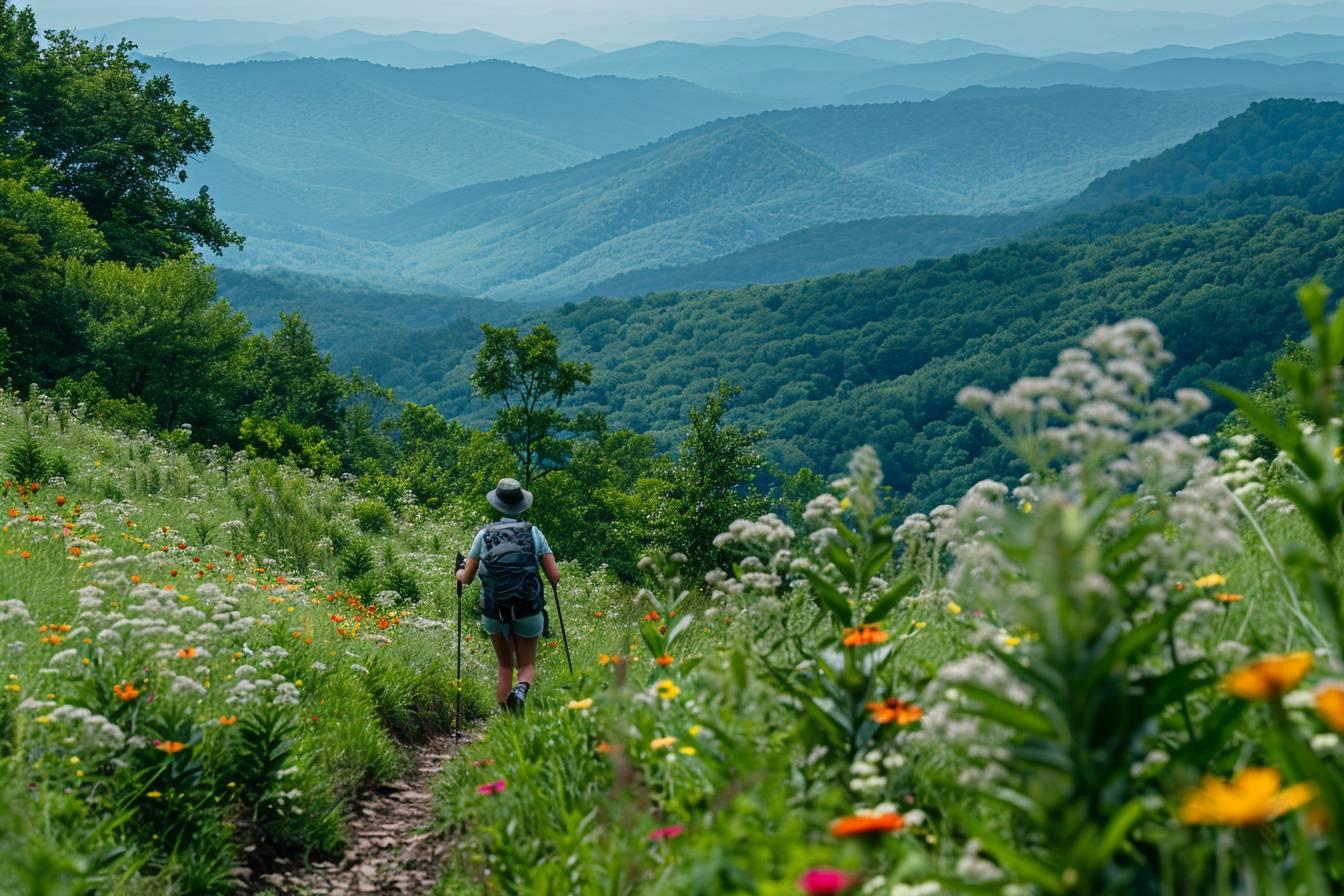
<point x="392" y="849"/>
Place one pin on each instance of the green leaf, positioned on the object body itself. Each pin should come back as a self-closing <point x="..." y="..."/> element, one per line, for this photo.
<point x="1283" y="437"/>
<point x="1012" y="857"/>
<point x="1117" y="831"/>
<point x="1216" y="728"/>
<point x="829" y="597"/>
<point x="894" y="595"/>
<point x="1005" y="712"/>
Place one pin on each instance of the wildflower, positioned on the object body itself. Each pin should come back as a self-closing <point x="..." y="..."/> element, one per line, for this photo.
<point x="866" y="634"/>
<point x="603" y="747"/>
<point x="585" y="703"/>
<point x="825" y="881"/>
<point x="694" y="730"/>
<point x="1330" y="704"/>
<point x="895" y="710"/>
<point x="664" y="660"/>
<point x="24" y="555"/>
<point x="75" y="550"/>
<point x="668" y="833"/>
<point x="493" y="788"/>
<point x="597" y="614"/>
<point x="125" y="691"/>
<point x="1212" y="580"/>
<point x="226" y="721"/>
<point x="154" y="794"/>
<point x="60" y="500"/>
<point x="170" y="746"/>
<point x="954" y="608"/>
<point x="1224" y="597"/>
<point x="686" y="751"/>
<point x="1250" y="799"/>
<point x="872" y="823"/>
<point x="651" y="616"/>
<point x="662" y="743"/>
<point x="186" y="653"/>
<point x="1269" y="678"/>
<point x="667" y="689"/>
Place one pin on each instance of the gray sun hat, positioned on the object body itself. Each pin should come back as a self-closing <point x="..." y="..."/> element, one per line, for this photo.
<point x="509" y="497"/>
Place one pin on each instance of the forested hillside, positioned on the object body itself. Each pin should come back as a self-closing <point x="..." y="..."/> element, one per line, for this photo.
<point x="879" y="355"/>
<point x="736" y="183"/>
<point x="1273" y="136"/>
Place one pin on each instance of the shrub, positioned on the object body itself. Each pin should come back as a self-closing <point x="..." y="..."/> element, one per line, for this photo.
<point x="373" y="516"/>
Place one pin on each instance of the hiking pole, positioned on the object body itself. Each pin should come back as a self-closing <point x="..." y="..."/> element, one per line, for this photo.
<point x="457" y="714"/>
<point x="561" y="616"/>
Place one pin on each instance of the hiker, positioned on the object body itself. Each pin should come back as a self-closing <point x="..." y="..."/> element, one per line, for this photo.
<point x="513" y="600"/>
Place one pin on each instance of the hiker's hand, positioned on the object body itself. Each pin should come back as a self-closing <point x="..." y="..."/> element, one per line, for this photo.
<point x="467" y="573"/>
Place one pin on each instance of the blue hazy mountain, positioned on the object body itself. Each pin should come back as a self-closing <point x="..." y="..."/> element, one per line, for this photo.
<point x="732" y="184"/>
<point x="305" y="141"/>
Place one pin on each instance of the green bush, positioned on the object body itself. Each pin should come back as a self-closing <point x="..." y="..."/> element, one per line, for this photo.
<point x="373" y="517"/>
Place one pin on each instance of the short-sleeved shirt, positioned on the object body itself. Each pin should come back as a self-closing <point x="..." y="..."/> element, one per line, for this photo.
<point x="538" y="542"/>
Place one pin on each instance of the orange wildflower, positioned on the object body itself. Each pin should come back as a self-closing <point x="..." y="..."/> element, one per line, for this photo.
<point x="895" y="710"/>
<point x="865" y="634"/>
<point x="75" y="550"/>
<point x="857" y="825"/>
<point x="1226" y="598"/>
<point x="226" y="721"/>
<point x="1268" y="678"/>
<point x="25" y="554"/>
<point x="1250" y="799"/>
<point x="1330" y="704"/>
<point x="664" y="660"/>
<point x="170" y="746"/>
<point x="125" y="691"/>
<point x="186" y="653"/>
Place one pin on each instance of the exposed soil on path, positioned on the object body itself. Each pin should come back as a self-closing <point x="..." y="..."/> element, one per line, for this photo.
<point x="392" y="849"/>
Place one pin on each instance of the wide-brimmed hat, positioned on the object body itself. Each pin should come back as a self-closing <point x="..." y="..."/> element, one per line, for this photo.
<point x="509" y="497"/>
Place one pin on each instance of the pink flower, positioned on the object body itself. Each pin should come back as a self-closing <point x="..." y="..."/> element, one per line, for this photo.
<point x="821" y="881"/>
<point x="667" y="833"/>
<point x="494" y="787"/>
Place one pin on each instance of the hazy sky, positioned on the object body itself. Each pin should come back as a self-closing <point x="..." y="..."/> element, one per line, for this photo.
<point x="83" y="13"/>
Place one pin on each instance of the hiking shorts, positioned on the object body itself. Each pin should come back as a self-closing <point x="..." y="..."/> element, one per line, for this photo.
<point x="526" y="627"/>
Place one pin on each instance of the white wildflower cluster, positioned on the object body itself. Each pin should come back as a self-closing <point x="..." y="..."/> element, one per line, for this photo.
<point x="974" y="867"/>
<point x="99" y="731"/>
<point x="768" y="532"/>
<point x="868" y="772"/>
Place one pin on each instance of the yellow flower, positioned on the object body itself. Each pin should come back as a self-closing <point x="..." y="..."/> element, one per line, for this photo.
<point x="43" y="720"/>
<point x="694" y="730"/>
<point x="1212" y="580"/>
<point x="1027" y="507"/>
<point x="662" y="743"/>
<point x="954" y="608"/>
<point x="1250" y="799"/>
<point x="154" y="794"/>
<point x="1330" y="704"/>
<point x="686" y="751"/>
<point x="585" y="703"/>
<point x="1268" y="678"/>
<point x="668" y="690"/>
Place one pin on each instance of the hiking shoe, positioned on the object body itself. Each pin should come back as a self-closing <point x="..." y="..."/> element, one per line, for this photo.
<point x="518" y="696"/>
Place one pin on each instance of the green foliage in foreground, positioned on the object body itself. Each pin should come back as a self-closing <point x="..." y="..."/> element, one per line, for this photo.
<point x="1043" y="690"/>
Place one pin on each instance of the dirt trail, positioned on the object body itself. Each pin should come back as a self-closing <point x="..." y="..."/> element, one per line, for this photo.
<point x="392" y="849"/>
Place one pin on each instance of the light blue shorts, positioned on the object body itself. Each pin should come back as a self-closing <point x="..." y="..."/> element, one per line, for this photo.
<point x="526" y="627"/>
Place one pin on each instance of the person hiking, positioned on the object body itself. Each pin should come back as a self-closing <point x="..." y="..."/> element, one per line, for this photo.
<point x="508" y="555"/>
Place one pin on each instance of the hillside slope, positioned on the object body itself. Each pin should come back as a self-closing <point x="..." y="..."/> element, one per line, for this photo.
<point x="1272" y="137"/>
<point x="733" y="184"/>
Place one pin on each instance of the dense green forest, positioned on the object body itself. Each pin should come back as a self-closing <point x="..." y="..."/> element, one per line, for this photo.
<point x="829" y="249"/>
<point x="878" y="356"/>
<point x="735" y="183"/>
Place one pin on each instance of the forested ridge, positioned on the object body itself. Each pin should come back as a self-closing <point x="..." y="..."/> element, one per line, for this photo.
<point x="878" y="355"/>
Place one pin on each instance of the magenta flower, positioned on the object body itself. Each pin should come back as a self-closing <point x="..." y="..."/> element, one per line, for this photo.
<point x="494" y="787"/>
<point x="823" y="881"/>
<point x="667" y="833"/>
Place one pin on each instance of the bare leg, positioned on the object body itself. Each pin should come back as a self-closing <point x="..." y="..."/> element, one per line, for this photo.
<point x="504" y="654"/>
<point x="525" y="649"/>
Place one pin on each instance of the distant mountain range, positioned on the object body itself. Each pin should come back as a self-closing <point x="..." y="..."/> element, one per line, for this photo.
<point x="732" y="184"/>
<point x="308" y="141"/>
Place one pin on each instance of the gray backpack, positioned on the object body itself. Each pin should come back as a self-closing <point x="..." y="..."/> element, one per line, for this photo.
<point x="512" y="589"/>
